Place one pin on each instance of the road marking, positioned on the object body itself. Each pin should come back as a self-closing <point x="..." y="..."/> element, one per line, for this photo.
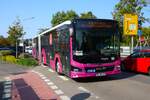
<point x="64" y="97"/>
<point x="83" y="89"/>
<point x="7" y="90"/>
<point x="7" y="83"/>
<point x="97" y="97"/>
<point x="50" y="83"/>
<point x="64" y="78"/>
<point x="7" y="86"/>
<point x="50" y="70"/>
<point x="7" y="96"/>
<point x="59" y="92"/>
<point x="39" y="73"/>
<point x="36" y="72"/>
<point x="33" y="71"/>
<point x="7" y="79"/>
<point x="54" y="87"/>
<point x="47" y="80"/>
<point x="43" y="77"/>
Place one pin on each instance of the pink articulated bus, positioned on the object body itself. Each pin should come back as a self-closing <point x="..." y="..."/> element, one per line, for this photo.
<point x="81" y="48"/>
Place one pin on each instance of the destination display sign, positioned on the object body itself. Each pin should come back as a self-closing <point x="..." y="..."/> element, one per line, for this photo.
<point x="96" y="24"/>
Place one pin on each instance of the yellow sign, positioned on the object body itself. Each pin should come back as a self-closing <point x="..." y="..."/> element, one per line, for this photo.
<point x="130" y="26"/>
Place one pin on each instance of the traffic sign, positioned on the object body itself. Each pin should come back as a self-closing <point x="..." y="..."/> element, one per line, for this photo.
<point x="139" y="32"/>
<point x="130" y="24"/>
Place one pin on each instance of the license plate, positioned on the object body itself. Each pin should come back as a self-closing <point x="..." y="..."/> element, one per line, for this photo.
<point x="100" y="74"/>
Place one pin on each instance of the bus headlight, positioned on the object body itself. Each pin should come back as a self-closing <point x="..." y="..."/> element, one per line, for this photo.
<point x="76" y="69"/>
<point x="117" y="67"/>
<point x="112" y="58"/>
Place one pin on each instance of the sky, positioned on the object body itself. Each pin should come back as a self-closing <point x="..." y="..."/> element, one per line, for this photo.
<point x="36" y="14"/>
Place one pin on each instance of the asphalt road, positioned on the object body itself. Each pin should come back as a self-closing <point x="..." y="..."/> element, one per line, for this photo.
<point x="10" y="69"/>
<point x="125" y="86"/>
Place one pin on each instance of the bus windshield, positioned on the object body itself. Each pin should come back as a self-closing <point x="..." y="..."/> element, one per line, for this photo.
<point x="95" y="42"/>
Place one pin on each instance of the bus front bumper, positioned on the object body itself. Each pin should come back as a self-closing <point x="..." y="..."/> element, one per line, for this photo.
<point x="100" y="74"/>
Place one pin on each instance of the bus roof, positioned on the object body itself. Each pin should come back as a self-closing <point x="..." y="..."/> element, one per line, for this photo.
<point x="59" y="25"/>
<point x="68" y="22"/>
<point x="94" y="19"/>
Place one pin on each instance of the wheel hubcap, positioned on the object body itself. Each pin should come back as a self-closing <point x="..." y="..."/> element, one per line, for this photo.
<point x="58" y="66"/>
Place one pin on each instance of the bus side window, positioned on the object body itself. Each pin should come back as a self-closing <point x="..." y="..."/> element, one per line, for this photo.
<point x="64" y="40"/>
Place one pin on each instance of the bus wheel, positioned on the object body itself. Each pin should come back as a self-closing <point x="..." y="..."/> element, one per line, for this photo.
<point x="149" y="71"/>
<point x="123" y="67"/>
<point x="58" y="67"/>
<point x="42" y="60"/>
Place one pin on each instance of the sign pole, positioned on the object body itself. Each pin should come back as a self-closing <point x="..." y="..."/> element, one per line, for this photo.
<point x="140" y="42"/>
<point x="132" y="44"/>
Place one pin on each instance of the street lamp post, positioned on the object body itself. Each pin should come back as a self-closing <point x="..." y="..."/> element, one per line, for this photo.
<point x="26" y="19"/>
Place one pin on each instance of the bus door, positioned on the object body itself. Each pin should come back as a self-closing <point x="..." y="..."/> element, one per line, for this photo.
<point x="65" y="50"/>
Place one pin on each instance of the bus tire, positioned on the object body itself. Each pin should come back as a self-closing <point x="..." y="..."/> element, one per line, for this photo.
<point x="42" y="60"/>
<point x="123" y="67"/>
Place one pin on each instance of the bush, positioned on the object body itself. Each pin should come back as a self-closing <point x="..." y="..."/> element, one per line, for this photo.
<point x="2" y="58"/>
<point x="24" y="55"/>
<point x="5" y="52"/>
<point x="27" y="62"/>
<point x="10" y="59"/>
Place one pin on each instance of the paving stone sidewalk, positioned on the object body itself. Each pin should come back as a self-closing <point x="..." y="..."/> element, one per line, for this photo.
<point x="29" y="86"/>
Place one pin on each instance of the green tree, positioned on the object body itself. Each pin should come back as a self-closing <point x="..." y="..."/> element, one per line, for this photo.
<point x="62" y="16"/>
<point x="146" y="31"/>
<point x="4" y="41"/>
<point x="87" y="15"/>
<point x="28" y="42"/>
<point x="129" y="6"/>
<point x="40" y="30"/>
<point x="15" y="32"/>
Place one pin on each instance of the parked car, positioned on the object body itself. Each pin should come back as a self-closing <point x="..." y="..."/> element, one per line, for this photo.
<point x="138" y="61"/>
<point x="28" y="50"/>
